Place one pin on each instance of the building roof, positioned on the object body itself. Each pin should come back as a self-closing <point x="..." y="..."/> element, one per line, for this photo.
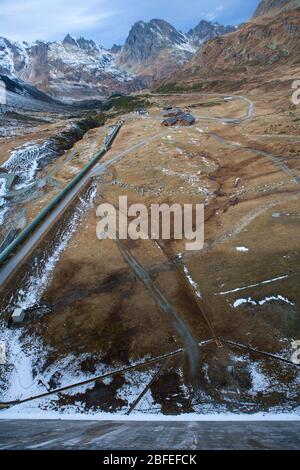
<point x="172" y="112"/>
<point x="188" y="118"/>
<point x="171" y="121"/>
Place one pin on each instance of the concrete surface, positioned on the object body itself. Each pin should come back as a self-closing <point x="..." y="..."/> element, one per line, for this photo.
<point x="156" y="435"/>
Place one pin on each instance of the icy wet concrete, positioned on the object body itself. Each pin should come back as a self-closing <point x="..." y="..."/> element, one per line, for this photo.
<point x="157" y="435"/>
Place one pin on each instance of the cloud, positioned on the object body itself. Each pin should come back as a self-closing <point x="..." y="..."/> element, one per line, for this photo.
<point x="49" y="19"/>
<point x="214" y="14"/>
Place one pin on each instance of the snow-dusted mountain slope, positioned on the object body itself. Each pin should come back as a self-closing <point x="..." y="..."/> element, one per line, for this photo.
<point x="207" y="30"/>
<point x="72" y="69"/>
<point x="77" y="68"/>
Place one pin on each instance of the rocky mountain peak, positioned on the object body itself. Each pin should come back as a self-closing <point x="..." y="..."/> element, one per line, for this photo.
<point x="206" y="30"/>
<point x="168" y="32"/>
<point x="87" y="44"/>
<point x="146" y="40"/>
<point x="115" y="49"/>
<point x="69" y="41"/>
<point x="81" y="43"/>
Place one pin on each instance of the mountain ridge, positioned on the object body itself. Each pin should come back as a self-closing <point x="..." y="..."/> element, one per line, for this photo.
<point x="79" y="68"/>
<point x="70" y="69"/>
<point x="155" y="49"/>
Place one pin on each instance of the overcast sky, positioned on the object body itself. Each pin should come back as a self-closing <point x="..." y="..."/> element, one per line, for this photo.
<point x="108" y="21"/>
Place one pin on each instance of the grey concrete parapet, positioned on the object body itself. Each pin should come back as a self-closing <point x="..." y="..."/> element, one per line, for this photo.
<point x="18" y="315"/>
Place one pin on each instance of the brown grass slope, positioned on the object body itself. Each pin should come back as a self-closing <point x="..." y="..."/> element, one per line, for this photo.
<point x="266" y="47"/>
<point x="273" y="7"/>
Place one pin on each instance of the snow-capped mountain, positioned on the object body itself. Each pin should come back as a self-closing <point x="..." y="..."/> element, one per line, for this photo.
<point x="13" y="56"/>
<point x="68" y="70"/>
<point x="78" y="68"/>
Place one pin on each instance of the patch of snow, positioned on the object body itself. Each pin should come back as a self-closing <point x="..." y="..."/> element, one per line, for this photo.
<point x="276" y="298"/>
<point x="240" y="302"/>
<point x="188" y="47"/>
<point x="260" y="382"/>
<point x="296" y="355"/>
<point x="191" y="179"/>
<point x="20" y="380"/>
<point x="135" y="382"/>
<point x="3" y="208"/>
<point x="242" y="249"/>
<point x="107" y="380"/>
<point x="277" y="215"/>
<point x="2" y="187"/>
<point x="269" y="281"/>
<point x="194" y="284"/>
<point x="24" y="162"/>
<point x="147" y="407"/>
<point x="2" y="352"/>
<point x="33" y="411"/>
<point x="88" y="60"/>
<point x="250" y="301"/>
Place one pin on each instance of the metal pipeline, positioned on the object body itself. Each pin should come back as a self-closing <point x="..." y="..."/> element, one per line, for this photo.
<point x="13" y="246"/>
